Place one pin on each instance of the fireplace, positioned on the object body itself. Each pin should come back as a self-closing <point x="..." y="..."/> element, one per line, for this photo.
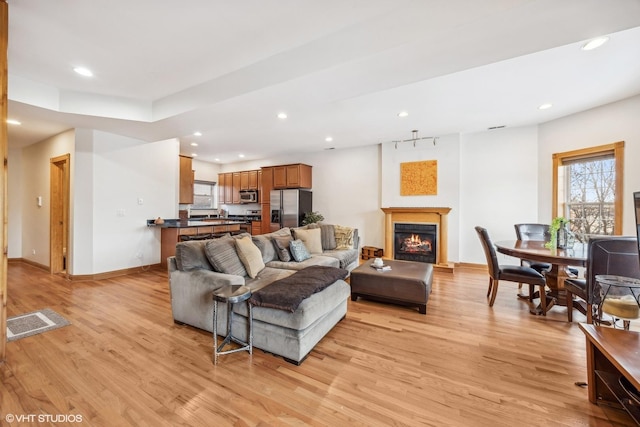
<point x="415" y="242"/>
<point x="435" y="217"/>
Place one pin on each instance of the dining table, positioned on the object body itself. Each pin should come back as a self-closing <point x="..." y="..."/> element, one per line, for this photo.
<point x="559" y="258"/>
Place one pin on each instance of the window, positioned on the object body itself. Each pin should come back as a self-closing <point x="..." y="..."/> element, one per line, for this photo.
<point x="203" y="192"/>
<point x="587" y="186"/>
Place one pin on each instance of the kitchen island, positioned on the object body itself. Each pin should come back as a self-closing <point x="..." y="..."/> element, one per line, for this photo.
<point x="173" y="230"/>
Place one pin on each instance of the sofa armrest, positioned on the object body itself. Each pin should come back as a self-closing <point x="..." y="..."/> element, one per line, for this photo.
<point x="192" y="294"/>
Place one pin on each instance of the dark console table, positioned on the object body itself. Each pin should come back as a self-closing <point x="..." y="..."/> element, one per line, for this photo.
<point x="613" y="368"/>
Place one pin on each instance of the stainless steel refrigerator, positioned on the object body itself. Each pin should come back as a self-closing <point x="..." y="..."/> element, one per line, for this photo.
<point x="288" y="208"/>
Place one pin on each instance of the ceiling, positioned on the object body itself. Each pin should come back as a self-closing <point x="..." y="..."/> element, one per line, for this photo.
<point x="166" y="69"/>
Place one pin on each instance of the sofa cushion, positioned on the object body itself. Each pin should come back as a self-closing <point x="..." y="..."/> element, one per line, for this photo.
<point x="263" y="242"/>
<point x="223" y="256"/>
<point x="250" y="256"/>
<point x="328" y="234"/>
<point x="344" y="237"/>
<point x="281" y="244"/>
<point x="345" y="256"/>
<point x="191" y="256"/>
<point x="312" y="239"/>
<point x="298" y="250"/>
<point x="313" y="260"/>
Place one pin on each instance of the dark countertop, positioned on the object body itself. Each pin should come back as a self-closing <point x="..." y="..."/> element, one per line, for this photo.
<point x="178" y="223"/>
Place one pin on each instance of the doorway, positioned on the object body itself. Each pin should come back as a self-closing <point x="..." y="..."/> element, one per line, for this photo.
<point x="59" y="214"/>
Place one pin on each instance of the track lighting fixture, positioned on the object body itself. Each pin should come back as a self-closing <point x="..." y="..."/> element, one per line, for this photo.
<point x="414" y="138"/>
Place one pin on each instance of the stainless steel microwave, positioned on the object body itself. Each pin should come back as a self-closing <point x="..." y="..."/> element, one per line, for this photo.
<point x="248" y="196"/>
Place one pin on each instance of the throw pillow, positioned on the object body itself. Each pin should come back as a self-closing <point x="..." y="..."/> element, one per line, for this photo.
<point x="299" y="250"/>
<point x="263" y="242"/>
<point x="250" y="256"/>
<point x="328" y="236"/>
<point x="281" y="245"/>
<point x="222" y="255"/>
<point x="312" y="239"/>
<point x="344" y="237"/>
<point x="191" y="256"/>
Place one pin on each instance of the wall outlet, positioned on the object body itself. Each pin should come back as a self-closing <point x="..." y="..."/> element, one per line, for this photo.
<point x="33" y="251"/>
<point x="139" y="255"/>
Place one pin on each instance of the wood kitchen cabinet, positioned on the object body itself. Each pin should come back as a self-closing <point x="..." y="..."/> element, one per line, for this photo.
<point x="292" y="176"/>
<point x="253" y="180"/>
<point x="249" y="180"/>
<point x="221" y="188"/>
<point x="266" y="185"/>
<point x="186" y="181"/>
<point x="228" y="188"/>
<point x="235" y="195"/>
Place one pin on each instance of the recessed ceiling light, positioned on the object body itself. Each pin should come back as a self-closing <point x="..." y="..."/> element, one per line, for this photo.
<point x="595" y="43"/>
<point x="216" y="159"/>
<point x="194" y="154"/>
<point x="241" y="155"/>
<point x="194" y="144"/>
<point x="83" y="71"/>
<point x="545" y="106"/>
<point x="197" y="133"/>
<point x="13" y="122"/>
<point x="403" y="114"/>
<point x="282" y="115"/>
<point x="328" y="139"/>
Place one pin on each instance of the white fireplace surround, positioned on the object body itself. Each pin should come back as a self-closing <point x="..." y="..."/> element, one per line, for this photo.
<point x="417" y="215"/>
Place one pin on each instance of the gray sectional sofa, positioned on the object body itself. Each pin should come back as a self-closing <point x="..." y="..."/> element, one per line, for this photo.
<point x="201" y="267"/>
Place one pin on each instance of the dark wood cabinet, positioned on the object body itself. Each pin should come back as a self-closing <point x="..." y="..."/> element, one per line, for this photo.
<point x="612" y="364"/>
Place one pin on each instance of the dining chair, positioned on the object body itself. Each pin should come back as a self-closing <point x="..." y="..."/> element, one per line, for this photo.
<point x="538" y="232"/>
<point x="615" y="255"/>
<point x="510" y="273"/>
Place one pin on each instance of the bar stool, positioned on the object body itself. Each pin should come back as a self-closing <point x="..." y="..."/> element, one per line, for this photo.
<point x="231" y="295"/>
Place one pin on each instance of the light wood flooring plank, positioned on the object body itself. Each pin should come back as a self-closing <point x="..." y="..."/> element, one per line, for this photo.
<point x="123" y="361"/>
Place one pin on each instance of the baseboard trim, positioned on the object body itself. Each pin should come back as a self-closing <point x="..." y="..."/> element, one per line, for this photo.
<point x="98" y="276"/>
<point x="471" y="266"/>
<point x="29" y="262"/>
<point x="111" y="274"/>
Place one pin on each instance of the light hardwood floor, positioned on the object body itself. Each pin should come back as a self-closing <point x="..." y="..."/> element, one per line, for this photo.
<point x="123" y="361"/>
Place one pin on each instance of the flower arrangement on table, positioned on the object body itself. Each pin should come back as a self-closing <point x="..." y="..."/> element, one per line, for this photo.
<point x="558" y="223"/>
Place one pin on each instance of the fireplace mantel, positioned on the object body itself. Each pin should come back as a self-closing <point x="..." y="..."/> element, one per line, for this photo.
<point x="431" y="215"/>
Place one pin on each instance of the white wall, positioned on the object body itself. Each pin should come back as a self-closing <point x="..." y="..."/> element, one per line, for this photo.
<point x="205" y="171"/>
<point x="14" y="198"/>
<point x="603" y="125"/>
<point x="120" y="179"/>
<point x="498" y="186"/>
<point x="34" y="177"/>
<point x="447" y="153"/>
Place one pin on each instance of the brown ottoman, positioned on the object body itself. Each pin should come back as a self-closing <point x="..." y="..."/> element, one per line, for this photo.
<point x="407" y="283"/>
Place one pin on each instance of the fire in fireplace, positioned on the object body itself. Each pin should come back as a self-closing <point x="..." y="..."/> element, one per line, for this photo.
<point x="415" y="242"/>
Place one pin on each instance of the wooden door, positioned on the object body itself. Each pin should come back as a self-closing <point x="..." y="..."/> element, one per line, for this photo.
<point x="59" y="214"/>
